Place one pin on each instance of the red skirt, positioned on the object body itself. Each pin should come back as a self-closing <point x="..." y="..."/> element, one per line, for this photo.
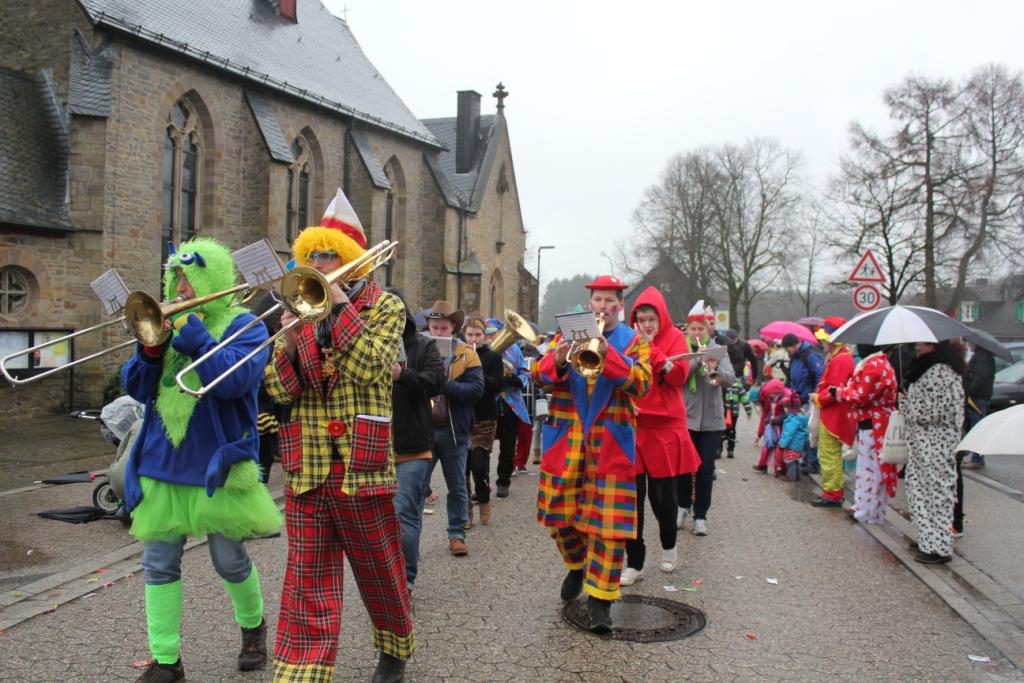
<point x="664" y="453"/>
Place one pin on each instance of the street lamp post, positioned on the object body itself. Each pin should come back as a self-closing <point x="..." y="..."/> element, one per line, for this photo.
<point x="540" y="250"/>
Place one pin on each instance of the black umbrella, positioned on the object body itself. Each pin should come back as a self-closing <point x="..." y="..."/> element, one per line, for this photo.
<point x="900" y="325"/>
<point x="989" y="343"/>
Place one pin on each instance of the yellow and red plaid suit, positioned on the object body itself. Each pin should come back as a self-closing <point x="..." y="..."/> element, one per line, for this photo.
<point x="341" y="405"/>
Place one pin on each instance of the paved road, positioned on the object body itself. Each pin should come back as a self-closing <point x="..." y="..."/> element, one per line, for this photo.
<point x="844" y="608"/>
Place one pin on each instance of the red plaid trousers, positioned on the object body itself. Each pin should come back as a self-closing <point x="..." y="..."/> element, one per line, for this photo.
<point x="323" y="524"/>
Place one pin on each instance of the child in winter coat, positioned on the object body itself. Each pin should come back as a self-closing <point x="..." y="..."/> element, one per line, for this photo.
<point x="735" y="397"/>
<point x="793" y="441"/>
<point x="771" y="401"/>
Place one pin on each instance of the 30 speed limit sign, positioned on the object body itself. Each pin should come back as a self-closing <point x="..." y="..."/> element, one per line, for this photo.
<point x="866" y="298"/>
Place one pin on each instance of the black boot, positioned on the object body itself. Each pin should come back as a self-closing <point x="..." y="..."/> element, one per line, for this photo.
<point x="162" y="673"/>
<point x="389" y="669"/>
<point x="572" y="586"/>
<point x="254" y="648"/>
<point x="600" y="612"/>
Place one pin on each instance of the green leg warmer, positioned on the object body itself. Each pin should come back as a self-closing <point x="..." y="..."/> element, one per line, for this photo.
<point x="163" y="619"/>
<point x="247" y="600"/>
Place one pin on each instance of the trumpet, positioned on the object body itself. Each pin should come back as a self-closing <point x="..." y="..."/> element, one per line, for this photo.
<point x="306" y="292"/>
<point x="711" y="375"/>
<point x="587" y="356"/>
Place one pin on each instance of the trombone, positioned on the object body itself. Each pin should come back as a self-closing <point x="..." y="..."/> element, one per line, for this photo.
<point x="143" y="316"/>
<point x="306" y="292"/>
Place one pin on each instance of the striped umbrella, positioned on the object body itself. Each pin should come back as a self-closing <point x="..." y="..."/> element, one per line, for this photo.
<point x="900" y="325"/>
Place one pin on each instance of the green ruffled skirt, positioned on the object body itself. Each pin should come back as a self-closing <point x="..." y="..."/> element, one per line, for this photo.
<point x="240" y="509"/>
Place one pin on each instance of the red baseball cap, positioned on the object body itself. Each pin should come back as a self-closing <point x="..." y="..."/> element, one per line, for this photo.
<point x="607" y="282"/>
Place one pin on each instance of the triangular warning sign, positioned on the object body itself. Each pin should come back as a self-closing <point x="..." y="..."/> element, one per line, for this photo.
<point x="867" y="269"/>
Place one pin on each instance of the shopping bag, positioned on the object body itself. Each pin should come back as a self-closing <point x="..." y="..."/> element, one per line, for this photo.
<point x="813" y="423"/>
<point x="894" y="446"/>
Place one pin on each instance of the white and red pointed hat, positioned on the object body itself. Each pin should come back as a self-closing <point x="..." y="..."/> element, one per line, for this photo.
<point x="697" y="314"/>
<point x="341" y="215"/>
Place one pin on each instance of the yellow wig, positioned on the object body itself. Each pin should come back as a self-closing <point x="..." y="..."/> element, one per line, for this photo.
<point x="319" y="238"/>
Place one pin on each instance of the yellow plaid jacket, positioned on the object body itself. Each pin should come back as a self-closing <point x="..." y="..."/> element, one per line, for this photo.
<point x="341" y="397"/>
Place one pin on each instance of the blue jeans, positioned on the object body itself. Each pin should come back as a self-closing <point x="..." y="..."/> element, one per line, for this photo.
<point x="161" y="561"/>
<point x="973" y="418"/>
<point x="452" y="455"/>
<point x="408" y="501"/>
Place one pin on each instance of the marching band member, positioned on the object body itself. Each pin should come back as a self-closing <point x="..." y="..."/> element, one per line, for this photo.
<point x="663" y="445"/>
<point x="193" y="469"/>
<point x="587" y="492"/>
<point x="336" y="455"/>
<point x="705" y="417"/>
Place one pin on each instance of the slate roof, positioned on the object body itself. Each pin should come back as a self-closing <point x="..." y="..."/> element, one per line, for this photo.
<point x="33" y="153"/>
<point x="270" y="129"/>
<point x="91" y="83"/>
<point x="362" y="144"/>
<point x="465" y="189"/>
<point x="317" y="59"/>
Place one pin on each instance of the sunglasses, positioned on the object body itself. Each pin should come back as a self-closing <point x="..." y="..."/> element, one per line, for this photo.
<point x="322" y="256"/>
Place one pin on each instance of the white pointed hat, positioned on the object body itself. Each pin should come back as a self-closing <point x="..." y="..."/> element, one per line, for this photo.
<point x="341" y="215"/>
<point x="697" y="314"/>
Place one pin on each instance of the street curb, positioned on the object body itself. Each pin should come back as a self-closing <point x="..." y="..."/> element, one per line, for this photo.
<point x="20" y="604"/>
<point x="968" y="591"/>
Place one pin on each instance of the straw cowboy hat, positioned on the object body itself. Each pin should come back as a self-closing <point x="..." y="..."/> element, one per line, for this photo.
<point x="445" y="310"/>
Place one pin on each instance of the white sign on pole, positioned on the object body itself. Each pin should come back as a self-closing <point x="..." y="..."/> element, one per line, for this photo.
<point x="867" y="269"/>
<point x="866" y="297"/>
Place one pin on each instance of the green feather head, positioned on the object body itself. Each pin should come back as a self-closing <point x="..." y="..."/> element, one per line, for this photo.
<point x="209" y="268"/>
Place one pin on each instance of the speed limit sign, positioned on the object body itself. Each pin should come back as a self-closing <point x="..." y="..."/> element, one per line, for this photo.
<point x="866" y="298"/>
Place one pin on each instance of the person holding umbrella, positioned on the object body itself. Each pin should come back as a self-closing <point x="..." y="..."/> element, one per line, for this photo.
<point x="934" y="408"/>
<point x="981" y="372"/>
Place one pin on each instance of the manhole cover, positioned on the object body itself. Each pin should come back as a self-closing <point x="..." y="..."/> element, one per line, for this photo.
<point x="642" y="619"/>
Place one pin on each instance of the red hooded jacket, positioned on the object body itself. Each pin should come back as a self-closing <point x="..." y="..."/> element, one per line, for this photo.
<point x="663" y="405"/>
<point x="834" y="415"/>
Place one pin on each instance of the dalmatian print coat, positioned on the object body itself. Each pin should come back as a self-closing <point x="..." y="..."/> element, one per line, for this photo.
<point x="934" y="411"/>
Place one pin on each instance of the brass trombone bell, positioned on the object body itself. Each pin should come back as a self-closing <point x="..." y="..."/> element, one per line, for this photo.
<point x="145" y="315"/>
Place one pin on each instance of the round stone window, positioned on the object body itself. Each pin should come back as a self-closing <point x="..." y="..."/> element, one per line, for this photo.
<point x="14" y="291"/>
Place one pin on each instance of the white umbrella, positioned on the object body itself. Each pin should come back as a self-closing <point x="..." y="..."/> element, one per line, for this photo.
<point x="1001" y="433"/>
<point x="900" y="325"/>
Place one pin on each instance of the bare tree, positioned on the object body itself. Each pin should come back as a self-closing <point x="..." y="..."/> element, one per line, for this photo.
<point x="806" y="256"/>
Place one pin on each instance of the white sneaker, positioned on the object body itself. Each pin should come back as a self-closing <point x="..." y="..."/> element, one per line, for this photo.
<point x="681" y="517"/>
<point x="700" y="527"/>
<point x="668" y="560"/>
<point x="630" y="576"/>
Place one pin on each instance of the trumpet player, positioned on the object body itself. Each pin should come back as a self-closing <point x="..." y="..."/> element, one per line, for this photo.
<point x="705" y="418"/>
<point x="193" y="471"/>
<point x="336" y="454"/>
<point x="587" y="491"/>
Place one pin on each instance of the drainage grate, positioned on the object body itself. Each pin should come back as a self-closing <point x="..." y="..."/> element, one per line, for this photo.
<point x="642" y="619"/>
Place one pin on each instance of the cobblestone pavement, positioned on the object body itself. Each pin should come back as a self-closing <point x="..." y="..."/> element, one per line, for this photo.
<point x="843" y="609"/>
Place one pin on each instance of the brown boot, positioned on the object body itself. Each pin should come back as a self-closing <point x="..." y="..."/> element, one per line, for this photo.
<point x="485" y="512"/>
<point x="458" y="547"/>
<point x="254" y="648"/>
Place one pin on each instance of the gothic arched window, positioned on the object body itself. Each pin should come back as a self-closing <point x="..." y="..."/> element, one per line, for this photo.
<point x="297" y="214"/>
<point x="182" y="168"/>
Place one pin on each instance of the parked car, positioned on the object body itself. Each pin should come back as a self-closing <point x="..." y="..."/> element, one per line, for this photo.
<point x="1017" y="349"/>
<point x="1008" y="389"/>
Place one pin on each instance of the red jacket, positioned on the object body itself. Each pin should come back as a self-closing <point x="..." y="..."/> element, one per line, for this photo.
<point x="835" y="416"/>
<point x="663" y="405"/>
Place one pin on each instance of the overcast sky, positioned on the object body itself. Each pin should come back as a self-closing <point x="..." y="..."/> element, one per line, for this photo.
<point x="601" y="94"/>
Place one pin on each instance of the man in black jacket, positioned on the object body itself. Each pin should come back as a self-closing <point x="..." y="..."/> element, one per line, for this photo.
<point x="416" y="378"/>
<point x="485" y="424"/>
<point x="981" y="372"/>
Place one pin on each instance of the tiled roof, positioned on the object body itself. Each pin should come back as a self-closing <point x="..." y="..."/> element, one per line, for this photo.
<point x="316" y="59"/>
<point x="270" y="129"/>
<point x="90" y="84"/>
<point x="467" y="186"/>
<point x="370" y="160"/>
<point x="33" y="153"/>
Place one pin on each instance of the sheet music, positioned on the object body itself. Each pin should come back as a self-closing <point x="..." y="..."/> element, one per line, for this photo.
<point x="577" y="325"/>
<point x="110" y="290"/>
<point x="445" y="345"/>
<point x="258" y="264"/>
<point x="715" y="352"/>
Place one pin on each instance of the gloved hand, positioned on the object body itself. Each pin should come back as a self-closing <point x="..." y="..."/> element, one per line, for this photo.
<point x="192" y="338"/>
<point x="512" y="381"/>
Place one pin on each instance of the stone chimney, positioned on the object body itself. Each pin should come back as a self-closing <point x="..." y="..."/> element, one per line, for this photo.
<point x="286" y="9"/>
<point x="467" y="130"/>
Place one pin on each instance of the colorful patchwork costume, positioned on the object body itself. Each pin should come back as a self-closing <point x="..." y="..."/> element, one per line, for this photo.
<point x="193" y="468"/>
<point x="338" y="463"/>
<point x="587" y="493"/>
